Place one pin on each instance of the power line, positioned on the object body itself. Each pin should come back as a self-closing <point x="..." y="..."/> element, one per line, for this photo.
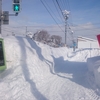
<point x="87" y="29"/>
<point x="70" y="12"/>
<point x="51" y="10"/>
<point x="50" y="26"/>
<point x="9" y="29"/>
<point x="6" y="30"/>
<point x="62" y="4"/>
<point x="47" y="26"/>
<point x="86" y="24"/>
<point x="74" y="25"/>
<point x="59" y="31"/>
<point x="66" y="4"/>
<point x="51" y="15"/>
<point x="57" y="9"/>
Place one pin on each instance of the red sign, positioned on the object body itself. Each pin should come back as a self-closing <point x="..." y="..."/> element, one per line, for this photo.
<point x="98" y="37"/>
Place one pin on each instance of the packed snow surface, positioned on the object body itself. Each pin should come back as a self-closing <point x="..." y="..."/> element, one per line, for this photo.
<point x="36" y="71"/>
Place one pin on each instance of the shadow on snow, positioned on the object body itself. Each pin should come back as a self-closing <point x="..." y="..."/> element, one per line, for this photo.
<point x="26" y="73"/>
<point x="39" y="52"/>
<point x="77" y="69"/>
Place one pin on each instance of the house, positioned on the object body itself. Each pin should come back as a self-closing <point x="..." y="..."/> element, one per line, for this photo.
<point x="84" y="42"/>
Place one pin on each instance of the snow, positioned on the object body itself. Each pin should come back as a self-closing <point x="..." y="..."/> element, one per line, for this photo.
<point x="36" y="71"/>
<point x="94" y="69"/>
<point x="97" y="72"/>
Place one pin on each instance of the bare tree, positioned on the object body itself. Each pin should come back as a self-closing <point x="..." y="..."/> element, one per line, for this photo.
<point x="56" y="39"/>
<point x="35" y="35"/>
<point x="41" y="36"/>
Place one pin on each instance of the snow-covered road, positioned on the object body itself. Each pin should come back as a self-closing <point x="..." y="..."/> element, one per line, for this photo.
<point x="36" y="71"/>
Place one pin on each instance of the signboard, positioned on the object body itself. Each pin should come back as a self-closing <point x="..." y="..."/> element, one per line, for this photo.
<point x="98" y="37"/>
<point x="0" y="21"/>
<point x="2" y="56"/>
<point x="5" y="17"/>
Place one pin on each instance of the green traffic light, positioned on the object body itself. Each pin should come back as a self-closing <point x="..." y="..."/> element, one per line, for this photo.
<point x="16" y="7"/>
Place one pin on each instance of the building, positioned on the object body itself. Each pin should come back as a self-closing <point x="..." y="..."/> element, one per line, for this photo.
<point x="84" y="42"/>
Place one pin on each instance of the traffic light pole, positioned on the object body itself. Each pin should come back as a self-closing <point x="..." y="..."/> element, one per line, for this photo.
<point x="16" y="14"/>
<point x="0" y="15"/>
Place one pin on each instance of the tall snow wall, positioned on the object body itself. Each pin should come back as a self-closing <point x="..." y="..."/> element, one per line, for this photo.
<point x="94" y="68"/>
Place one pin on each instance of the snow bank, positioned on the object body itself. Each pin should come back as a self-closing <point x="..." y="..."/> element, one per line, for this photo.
<point x="94" y="69"/>
<point x="91" y="61"/>
<point x="97" y="72"/>
<point x="36" y="71"/>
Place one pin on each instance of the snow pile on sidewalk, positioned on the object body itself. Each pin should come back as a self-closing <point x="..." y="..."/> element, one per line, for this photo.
<point x="36" y="71"/>
<point x="94" y="70"/>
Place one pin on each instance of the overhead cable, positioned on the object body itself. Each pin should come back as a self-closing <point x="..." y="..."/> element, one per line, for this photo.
<point x="50" y="14"/>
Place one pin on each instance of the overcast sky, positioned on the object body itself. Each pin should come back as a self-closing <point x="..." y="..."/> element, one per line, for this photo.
<point x="84" y="18"/>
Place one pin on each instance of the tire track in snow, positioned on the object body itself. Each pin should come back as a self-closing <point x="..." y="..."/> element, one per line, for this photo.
<point x="35" y="92"/>
<point x="90" y="93"/>
<point x="51" y="87"/>
<point x="79" y="92"/>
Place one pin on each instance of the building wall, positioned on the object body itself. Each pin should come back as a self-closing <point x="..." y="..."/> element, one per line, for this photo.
<point x="88" y="44"/>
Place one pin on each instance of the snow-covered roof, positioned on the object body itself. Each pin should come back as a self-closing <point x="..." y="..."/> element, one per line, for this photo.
<point x="80" y="38"/>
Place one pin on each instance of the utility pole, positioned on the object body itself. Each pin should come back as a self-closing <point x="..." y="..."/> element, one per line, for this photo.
<point x="0" y="15"/>
<point x="26" y="30"/>
<point x="65" y="32"/>
<point x="66" y="15"/>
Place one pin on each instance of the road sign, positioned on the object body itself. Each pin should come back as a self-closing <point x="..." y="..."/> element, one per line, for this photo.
<point x="5" y="18"/>
<point x="98" y="37"/>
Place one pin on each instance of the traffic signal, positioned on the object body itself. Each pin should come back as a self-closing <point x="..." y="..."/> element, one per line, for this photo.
<point x="16" y="1"/>
<point x="16" y="5"/>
